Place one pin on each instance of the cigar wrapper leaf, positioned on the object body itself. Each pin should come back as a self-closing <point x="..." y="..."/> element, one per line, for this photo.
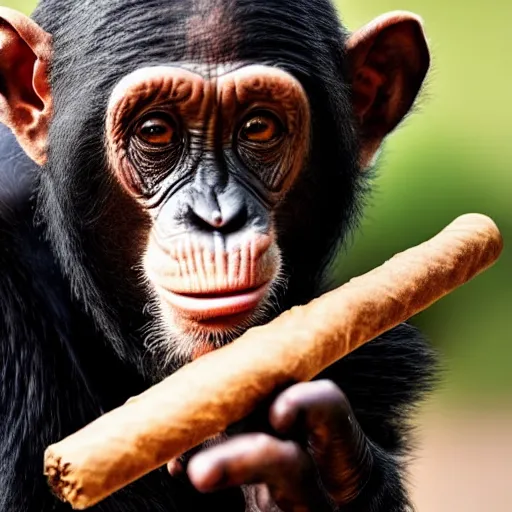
<point x="206" y="396"/>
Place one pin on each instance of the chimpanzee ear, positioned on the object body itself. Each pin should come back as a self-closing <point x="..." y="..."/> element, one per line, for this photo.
<point x="25" y="98"/>
<point x="388" y="60"/>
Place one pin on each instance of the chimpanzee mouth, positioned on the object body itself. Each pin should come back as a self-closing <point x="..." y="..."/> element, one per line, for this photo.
<point x="218" y="304"/>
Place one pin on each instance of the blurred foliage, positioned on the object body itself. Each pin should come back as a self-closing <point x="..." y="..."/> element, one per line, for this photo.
<point x="452" y="156"/>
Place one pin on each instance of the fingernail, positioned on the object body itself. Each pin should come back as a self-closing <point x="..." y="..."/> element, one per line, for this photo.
<point x="282" y="416"/>
<point x="175" y="468"/>
<point x="205" y="475"/>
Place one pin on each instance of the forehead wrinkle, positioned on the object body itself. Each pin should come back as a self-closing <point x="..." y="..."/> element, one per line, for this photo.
<point x="210" y="34"/>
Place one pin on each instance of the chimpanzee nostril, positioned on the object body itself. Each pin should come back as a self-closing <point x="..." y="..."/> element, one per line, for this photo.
<point x="217" y="219"/>
<point x="232" y="219"/>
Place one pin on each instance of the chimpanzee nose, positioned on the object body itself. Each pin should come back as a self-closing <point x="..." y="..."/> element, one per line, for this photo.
<point x="228" y="216"/>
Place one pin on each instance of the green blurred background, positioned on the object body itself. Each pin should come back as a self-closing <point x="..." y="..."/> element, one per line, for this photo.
<point x="452" y="157"/>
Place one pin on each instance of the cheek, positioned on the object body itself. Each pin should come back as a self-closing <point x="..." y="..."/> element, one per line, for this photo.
<point x="123" y="171"/>
<point x="123" y="234"/>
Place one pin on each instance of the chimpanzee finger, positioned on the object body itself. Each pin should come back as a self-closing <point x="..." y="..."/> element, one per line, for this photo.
<point x="339" y="447"/>
<point x="175" y="468"/>
<point x="250" y="459"/>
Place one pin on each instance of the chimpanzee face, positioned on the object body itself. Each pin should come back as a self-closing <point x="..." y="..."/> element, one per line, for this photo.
<point x="209" y="158"/>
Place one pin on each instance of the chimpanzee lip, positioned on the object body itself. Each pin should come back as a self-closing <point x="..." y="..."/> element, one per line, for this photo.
<point x="218" y="303"/>
<point x="218" y="294"/>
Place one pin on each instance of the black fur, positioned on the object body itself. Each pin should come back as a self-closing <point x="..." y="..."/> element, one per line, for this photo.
<point x="71" y="309"/>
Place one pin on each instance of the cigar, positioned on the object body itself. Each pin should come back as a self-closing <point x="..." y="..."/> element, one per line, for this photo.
<point x="221" y="388"/>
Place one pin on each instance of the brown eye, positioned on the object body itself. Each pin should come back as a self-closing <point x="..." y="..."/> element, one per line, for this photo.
<point x="157" y="131"/>
<point x="261" y="128"/>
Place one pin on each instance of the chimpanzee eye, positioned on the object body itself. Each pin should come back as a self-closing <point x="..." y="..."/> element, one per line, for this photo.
<point x="157" y="130"/>
<point x="261" y="128"/>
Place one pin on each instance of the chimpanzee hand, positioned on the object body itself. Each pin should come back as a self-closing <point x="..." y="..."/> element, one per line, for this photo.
<point x="317" y="458"/>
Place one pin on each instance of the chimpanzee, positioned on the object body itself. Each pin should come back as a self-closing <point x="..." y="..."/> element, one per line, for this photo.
<point x="171" y="174"/>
